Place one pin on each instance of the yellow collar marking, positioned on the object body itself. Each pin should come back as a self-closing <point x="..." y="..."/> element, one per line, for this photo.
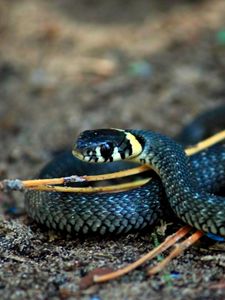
<point x="135" y="144"/>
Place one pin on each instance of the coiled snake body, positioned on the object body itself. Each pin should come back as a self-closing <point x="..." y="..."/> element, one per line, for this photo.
<point x="184" y="182"/>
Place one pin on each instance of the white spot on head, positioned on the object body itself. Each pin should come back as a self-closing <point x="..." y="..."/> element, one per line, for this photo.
<point x="98" y="152"/>
<point x="116" y="155"/>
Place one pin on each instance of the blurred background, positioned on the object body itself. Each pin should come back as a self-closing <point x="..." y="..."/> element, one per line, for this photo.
<point x="66" y="66"/>
<point x="71" y="65"/>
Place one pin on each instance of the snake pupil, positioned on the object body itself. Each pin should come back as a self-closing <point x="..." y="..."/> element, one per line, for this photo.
<point x="106" y="150"/>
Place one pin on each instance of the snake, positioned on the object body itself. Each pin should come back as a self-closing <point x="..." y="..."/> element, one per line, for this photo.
<point x="185" y="186"/>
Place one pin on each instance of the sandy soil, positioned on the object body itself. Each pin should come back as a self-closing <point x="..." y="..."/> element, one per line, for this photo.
<point x="66" y="66"/>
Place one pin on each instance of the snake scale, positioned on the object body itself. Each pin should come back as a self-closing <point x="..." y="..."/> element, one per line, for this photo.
<point x="183" y="185"/>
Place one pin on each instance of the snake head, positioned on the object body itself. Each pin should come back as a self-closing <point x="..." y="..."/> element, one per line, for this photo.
<point x="102" y="145"/>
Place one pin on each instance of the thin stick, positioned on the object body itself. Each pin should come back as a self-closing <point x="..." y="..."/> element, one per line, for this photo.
<point x="54" y="181"/>
<point x="75" y="178"/>
<point x="90" y="189"/>
<point x="179" y="248"/>
<point x="169" y="241"/>
<point x="216" y="138"/>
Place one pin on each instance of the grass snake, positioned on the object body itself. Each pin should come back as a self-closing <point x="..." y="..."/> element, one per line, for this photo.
<point x="182" y="184"/>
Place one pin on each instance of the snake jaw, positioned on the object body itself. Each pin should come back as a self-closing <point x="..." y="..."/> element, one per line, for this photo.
<point x="98" y="155"/>
<point x="78" y="154"/>
<point x="87" y="156"/>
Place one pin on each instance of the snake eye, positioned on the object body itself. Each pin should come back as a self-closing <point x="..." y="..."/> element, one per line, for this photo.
<point x="106" y="150"/>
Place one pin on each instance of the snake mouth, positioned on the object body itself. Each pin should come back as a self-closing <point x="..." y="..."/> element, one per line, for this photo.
<point x="78" y="154"/>
<point x="86" y="155"/>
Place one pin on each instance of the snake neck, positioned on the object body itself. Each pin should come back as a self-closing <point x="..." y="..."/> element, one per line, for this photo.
<point x="167" y="158"/>
<point x="190" y="203"/>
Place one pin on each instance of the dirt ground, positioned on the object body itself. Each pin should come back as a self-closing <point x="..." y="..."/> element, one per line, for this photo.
<point x="66" y="66"/>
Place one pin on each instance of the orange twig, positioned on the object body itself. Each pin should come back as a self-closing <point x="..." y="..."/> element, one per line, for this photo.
<point x="179" y="248"/>
<point x="76" y="178"/>
<point x="170" y="240"/>
<point x="216" y="138"/>
<point x="90" y="189"/>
